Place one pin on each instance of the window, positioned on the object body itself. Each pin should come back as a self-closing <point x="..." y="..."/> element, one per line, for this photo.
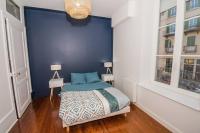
<point x="191" y="40"/>
<point x="168" y="46"/>
<point x="166" y="41"/>
<point x="192" y="4"/>
<point x="163" y="70"/>
<point x="186" y="52"/>
<point x="168" y="66"/>
<point x="13" y="8"/>
<point x="172" y="12"/>
<point x="171" y="29"/>
<point x="192" y="23"/>
<point x="190" y="75"/>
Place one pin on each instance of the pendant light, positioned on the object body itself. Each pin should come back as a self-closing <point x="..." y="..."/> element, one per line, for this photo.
<point x="78" y="9"/>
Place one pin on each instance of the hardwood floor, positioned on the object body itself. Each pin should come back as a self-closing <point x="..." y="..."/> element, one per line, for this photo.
<point x="42" y="117"/>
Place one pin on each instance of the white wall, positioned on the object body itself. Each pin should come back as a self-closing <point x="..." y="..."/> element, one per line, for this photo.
<point x="133" y="46"/>
<point x="125" y="52"/>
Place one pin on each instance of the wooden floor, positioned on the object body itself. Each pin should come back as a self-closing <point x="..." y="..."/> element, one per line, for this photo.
<point x="42" y="117"/>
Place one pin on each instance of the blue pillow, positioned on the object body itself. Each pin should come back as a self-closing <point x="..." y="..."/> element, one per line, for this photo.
<point x="92" y="77"/>
<point x="78" y="78"/>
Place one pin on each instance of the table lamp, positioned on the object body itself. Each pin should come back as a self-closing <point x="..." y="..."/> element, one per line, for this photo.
<point x="108" y="65"/>
<point x="55" y="68"/>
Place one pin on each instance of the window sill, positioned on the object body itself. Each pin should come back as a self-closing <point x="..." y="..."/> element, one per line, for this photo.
<point x="182" y="96"/>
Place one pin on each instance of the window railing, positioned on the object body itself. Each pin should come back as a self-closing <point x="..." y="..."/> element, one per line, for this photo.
<point x="169" y="50"/>
<point x="167" y="33"/>
<point x="190" y="49"/>
<point x="192" y="28"/>
<point x="169" y="30"/>
<point x="192" y="25"/>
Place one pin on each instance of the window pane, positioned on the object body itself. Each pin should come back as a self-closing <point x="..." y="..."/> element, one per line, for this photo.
<point x="190" y="65"/>
<point x="191" y="39"/>
<point x="166" y="41"/>
<point x="167" y="12"/>
<point x="164" y="69"/>
<point x="13" y="8"/>
<point x="167" y="27"/>
<point x="190" y="74"/>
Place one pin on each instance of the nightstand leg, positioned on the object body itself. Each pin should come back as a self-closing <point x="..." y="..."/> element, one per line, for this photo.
<point x="51" y="94"/>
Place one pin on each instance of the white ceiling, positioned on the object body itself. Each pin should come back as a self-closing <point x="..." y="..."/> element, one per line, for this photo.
<point x="104" y="8"/>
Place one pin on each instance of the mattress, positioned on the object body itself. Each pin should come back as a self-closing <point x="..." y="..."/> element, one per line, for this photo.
<point x="77" y="106"/>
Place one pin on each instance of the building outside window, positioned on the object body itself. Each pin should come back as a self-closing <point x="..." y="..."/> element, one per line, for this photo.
<point x="197" y="75"/>
<point x="189" y="76"/>
<point x="191" y="40"/>
<point x="171" y="29"/>
<point x="192" y="4"/>
<point x="172" y="12"/>
<point x="164" y="68"/>
<point x="192" y="23"/>
<point x="168" y="66"/>
<point x="168" y="46"/>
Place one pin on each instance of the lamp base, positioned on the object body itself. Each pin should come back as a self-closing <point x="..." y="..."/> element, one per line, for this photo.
<point x="108" y="71"/>
<point x="56" y="74"/>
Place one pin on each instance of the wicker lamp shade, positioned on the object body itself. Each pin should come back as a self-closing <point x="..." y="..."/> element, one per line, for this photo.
<point x="78" y="9"/>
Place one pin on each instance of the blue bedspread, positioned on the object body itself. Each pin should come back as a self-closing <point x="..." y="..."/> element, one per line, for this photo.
<point x="86" y="87"/>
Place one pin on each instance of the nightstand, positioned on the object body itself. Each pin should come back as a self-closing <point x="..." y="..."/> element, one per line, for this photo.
<point x="55" y="83"/>
<point x="108" y="78"/>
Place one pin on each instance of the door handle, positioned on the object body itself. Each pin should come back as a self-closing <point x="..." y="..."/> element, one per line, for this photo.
<point x="16" y="74"/>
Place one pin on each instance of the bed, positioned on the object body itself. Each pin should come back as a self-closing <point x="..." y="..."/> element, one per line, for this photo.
<point x="89" y="102"/>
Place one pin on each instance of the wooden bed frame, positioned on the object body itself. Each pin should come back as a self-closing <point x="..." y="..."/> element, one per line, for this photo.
<point x="122" y="111"/>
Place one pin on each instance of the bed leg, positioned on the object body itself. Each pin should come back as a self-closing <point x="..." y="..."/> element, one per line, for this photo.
<point x="125" y="115"/>
<point x="67" y="129"/>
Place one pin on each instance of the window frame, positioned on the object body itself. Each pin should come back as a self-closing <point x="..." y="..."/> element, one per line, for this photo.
<point x="189" y="43"/>
<point x="172" y="12"/>
<point x="172" y="91"/>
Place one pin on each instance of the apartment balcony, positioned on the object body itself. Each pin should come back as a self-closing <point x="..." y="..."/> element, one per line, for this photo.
<point x="169" y="50"/>
<point x="168" y="34"/>
<point x="192" y="29"/>
<point x="190" y="49"/>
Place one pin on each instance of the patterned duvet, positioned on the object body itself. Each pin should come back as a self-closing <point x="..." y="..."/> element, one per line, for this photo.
<point x="77" y="106"/>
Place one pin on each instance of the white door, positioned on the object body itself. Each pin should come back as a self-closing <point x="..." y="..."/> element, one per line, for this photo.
<point x="7" y="106"/>
<point x="20" y="76"/>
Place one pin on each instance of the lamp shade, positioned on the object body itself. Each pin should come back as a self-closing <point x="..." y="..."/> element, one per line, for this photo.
<point x="108" y="64"/>
<point x="78" y="9"/>
<point x="55" y="67"/>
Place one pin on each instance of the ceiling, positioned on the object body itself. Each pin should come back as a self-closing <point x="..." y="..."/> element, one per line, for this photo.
<point x="104" y="8"/>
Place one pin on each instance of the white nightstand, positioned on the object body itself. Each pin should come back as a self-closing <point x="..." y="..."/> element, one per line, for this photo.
<point x="107" y="78"/>
<point x="55" y="83"/>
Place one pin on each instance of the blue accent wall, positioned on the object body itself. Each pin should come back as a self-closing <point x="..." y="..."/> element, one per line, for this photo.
<point x="54" y="38"/>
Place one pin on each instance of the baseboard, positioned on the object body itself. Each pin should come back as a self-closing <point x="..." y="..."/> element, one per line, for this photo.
<point x="8" y="122"/>
<point x="165" y="123"/>
<point x="11" y="126"/>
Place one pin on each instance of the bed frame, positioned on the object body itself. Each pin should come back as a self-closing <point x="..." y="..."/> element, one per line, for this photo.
<point x="122" y="111"/>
